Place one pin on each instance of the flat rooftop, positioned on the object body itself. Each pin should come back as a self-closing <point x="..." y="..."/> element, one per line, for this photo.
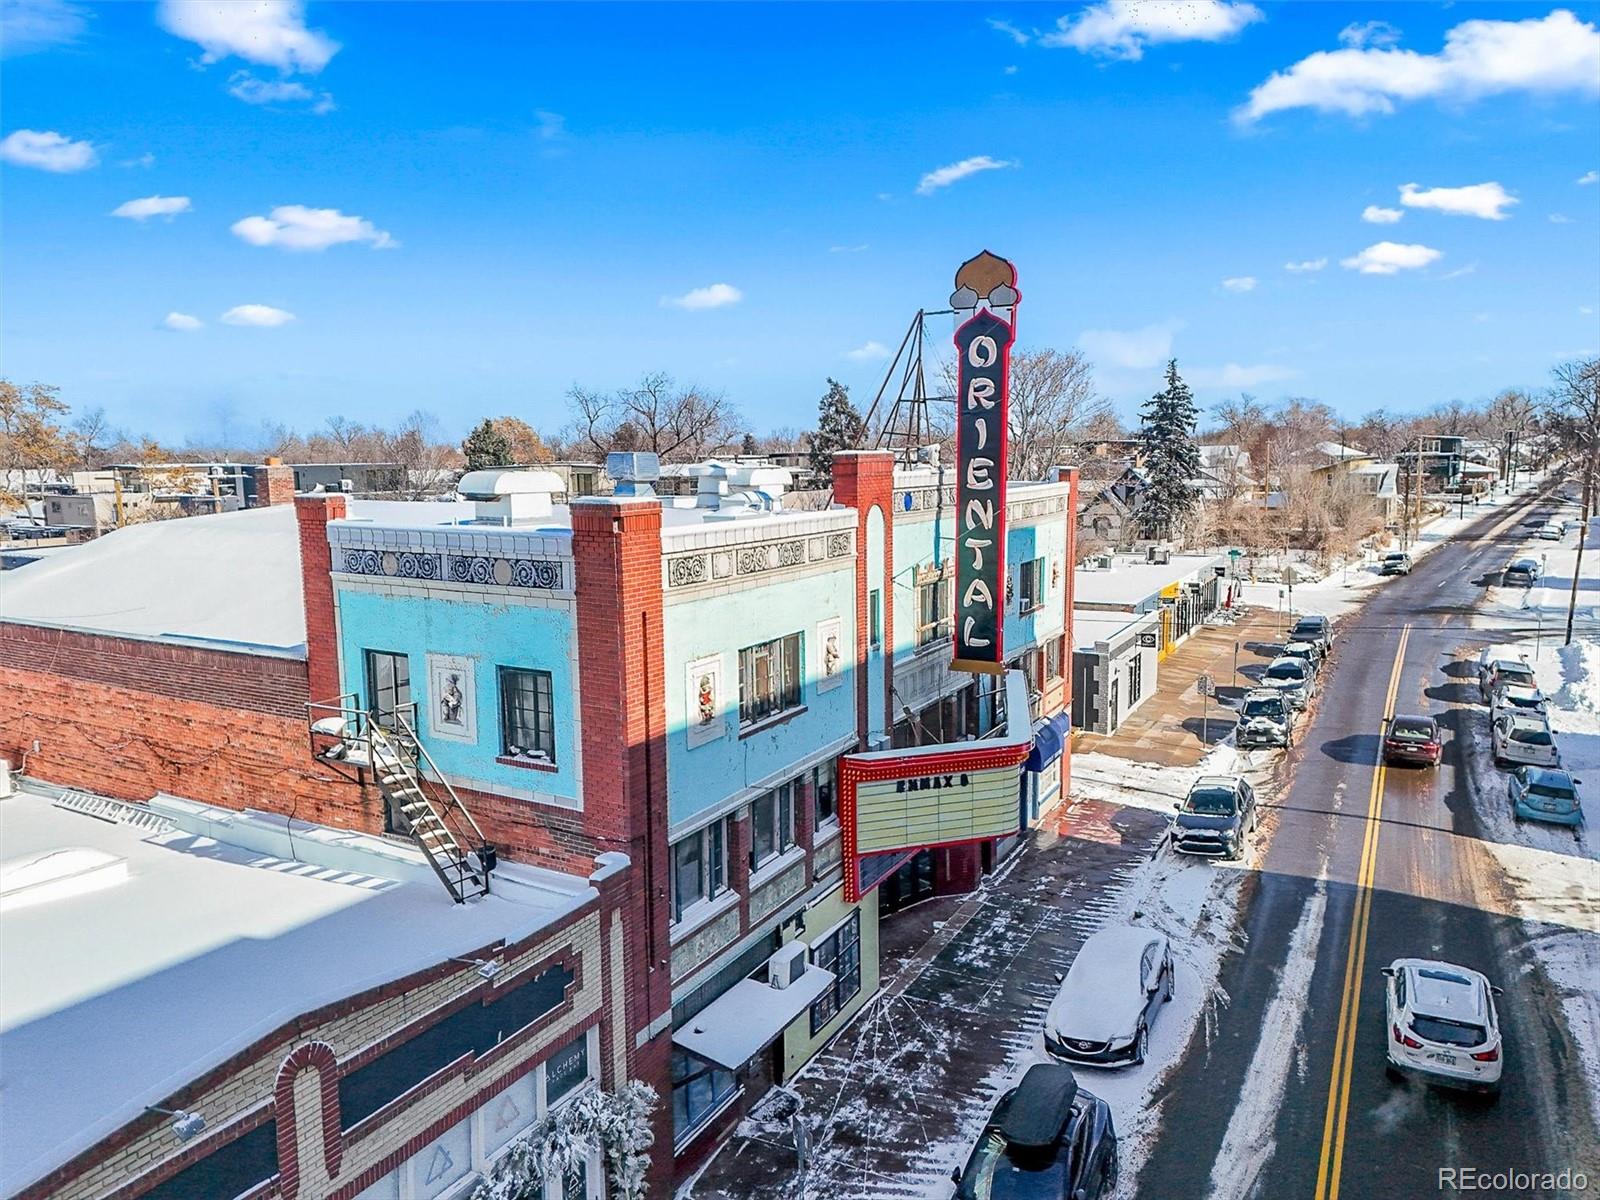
<point x="1090" y="626"/>
<point x="140" y="958"/>
<point x="1132" y="581"/>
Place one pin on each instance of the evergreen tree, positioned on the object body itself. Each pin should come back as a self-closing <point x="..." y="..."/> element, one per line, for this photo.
<point x="1171" y="458"/>
<point x="839" y="427"/>
<point x="485" y="447"/>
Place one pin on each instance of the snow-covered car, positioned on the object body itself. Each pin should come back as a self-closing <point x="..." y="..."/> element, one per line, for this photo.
<point x="1265" y="719"/>
<point x="1293" y="677"/>
<point x="1412" y="739"/>
<point x="1102" y="1014"/>
<point x="1553" y="531"/>
<point x="1047" y="1139"/>
<point x="1545" y="794"/>
<point x="1312" y="652"/>
<point x="1396" y="562"/>
<point x="1313" y="628"/>
<point x="1442" y="1024"/>
<point x="1522" y="572"/>
<point x="1503" y="666"/>
<point x="1215" y="816"/>
<point x="1523" y="738"/>
<point x="1517" y="698"/>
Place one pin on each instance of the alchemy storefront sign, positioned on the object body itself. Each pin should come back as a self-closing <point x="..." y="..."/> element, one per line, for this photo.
<point x="985" y="284"/>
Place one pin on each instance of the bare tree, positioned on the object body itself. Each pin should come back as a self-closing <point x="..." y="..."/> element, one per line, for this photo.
<point x="1052" y="405"/>
<point x="655" y="416"/>
<point x="428" y="463"/>
<point x="1574" y="407"/>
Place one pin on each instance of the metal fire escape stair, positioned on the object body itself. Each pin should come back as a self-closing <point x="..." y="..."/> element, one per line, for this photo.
<point x="425" y="804"/>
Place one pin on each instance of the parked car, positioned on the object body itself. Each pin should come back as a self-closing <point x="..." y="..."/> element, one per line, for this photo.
<point x="1312" y="652"/>
<point x="1109" y="999"/>
<point x="1441" y="1024"/>
<point x="1047" y="1139"/>
<point x="1396" y="562"/>
<point x="1313" y="628"/>
<point x="1215" y="816"/>
<point x="1265" y="719"/>
<point x="1517" y="697"/>
<point x="1523" y="572"/>
<point x="1502" y="666"/>
<point x="1523" y="738"/>
<point x="1545" y="794"/>
<point x="1293" y="677"/>
<point x="1412" y="739"/>
<point x="1553" y="531"/>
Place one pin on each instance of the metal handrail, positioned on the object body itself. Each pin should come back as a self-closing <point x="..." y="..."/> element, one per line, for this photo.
<point x="455" y="801"/>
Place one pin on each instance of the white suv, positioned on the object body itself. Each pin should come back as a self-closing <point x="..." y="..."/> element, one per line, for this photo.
<point x="1442" y="1024"/>
<point x="1523" y="738"/>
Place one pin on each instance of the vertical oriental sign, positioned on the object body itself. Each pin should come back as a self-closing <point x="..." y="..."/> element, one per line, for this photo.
<point x="987" y="285"/>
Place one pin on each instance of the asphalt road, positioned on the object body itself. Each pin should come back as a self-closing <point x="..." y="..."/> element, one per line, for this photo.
<point x="1366" y="865"/>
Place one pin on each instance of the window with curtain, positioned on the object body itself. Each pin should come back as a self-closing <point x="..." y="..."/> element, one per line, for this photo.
<point x="769" y="679"/>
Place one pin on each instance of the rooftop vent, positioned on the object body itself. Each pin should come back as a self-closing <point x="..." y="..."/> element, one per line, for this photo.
<point x="635" y="474"/>
<point x="736" y="491"/>
<point x="510" y="497"/>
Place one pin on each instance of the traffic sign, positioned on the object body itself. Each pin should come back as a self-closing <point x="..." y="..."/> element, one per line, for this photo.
<point x="1206" y="685"/>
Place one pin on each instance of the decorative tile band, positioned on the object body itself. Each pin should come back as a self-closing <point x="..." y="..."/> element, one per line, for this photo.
<point x="537" y="573"/>
<point x="692" y="570"/>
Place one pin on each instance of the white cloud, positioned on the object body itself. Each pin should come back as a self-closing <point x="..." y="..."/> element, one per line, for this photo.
<point x="1486" y="200"/>
<point x="1585" y="311"/>
<point x="1554" y="53"/>
<point x="1020" y="37"/>
<point x="1469" y="269"/>
<point x="1240" y="283"/>
<point x="1123" y="28"/>
<point x="183" y="323"/>
<point x="945" y="176"/>
<point x="251" y="90"/>
<point x="1012" y="70"/>
<point x="552" y="126"/>
<point x="1560" y="219"/>
<point x="48" y="151"/>
<point x="145" y="160"/>
<point x="1368" y="33"/>
<point x="261" y="316"/>
<point x="1135" y="349"/>
<point x="856" y="249"/>
<point x="153" y="206"/>
<point x="1233" y="375"/>
<point x="29" y="25"/>
<point x="270" y="32"/>
<point x="295" y="227"/>
<point x="1374" y="215"/>
<point x="1587" y="178"/>
<point x="1390" y="258"/>
<point x="1309" y="264"/>
<point x="869" y="352"/>
<point x="716" y="295"/>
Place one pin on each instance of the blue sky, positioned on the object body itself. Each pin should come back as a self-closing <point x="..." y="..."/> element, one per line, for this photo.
<point x="467" y="208"/>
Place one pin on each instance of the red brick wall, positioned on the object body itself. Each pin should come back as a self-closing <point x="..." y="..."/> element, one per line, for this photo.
<point x="616" y="548"/>
<point x="862" y="479"/>
<point x="322" y="639"/>
<point x="129" y="718"/>
<point x="274" y="484"/>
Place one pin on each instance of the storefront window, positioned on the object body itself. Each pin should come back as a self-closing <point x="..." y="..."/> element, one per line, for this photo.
<point x="699" y="1089"/>
<point x="839" y="952"/>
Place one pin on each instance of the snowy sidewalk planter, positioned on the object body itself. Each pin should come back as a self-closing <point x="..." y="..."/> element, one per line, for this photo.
<point x="615" y="1125"/>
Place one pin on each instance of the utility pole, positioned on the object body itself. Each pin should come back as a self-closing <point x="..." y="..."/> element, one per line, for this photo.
<point x="1588" y="511"/>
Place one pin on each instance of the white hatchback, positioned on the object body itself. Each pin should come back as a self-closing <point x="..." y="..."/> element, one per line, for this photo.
<point x="1441" y="1024"/>
<point x="1523" y="738"/>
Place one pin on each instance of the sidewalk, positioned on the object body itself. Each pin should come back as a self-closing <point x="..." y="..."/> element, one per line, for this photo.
<point x="896" y="1101"/>
<point x="1168" y="728"/>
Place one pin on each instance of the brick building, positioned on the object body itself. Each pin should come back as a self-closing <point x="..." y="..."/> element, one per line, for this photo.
<point x="644" y="697"/>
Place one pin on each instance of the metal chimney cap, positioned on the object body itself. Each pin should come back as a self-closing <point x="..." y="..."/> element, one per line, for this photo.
<point x="641" y="468"/>
<point x="496" y="484"/>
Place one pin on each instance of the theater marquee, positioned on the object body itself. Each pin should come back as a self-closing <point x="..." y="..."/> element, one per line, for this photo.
<point x="985" y="284"/>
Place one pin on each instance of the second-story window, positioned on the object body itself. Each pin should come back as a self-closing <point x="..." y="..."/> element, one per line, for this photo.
<point x="771" y="824"/>
<point x="1030" y="588"/>
<point x="769" y="679"/>
<point x="527" y="715"/>
<point x="824" y="798"/>
<point x="699" y="866"/>
<point x="933" y="611"/>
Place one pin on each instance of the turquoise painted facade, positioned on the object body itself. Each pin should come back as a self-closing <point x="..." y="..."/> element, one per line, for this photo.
<point x="718" y="626"/>
<point x="489" y="635"/>
<point x="1048" y="541"/>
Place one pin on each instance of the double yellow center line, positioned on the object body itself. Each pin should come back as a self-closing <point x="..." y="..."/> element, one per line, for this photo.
<point x="1333" y="1126"/>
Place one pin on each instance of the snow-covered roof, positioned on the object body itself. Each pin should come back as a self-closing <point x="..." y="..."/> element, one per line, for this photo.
<point x="1090" y="626"/>
<point x="230" y="580"/>
<point x="1339" y="452"/>
<point x="1133" y="582"/>
<point x="139" y="959"/>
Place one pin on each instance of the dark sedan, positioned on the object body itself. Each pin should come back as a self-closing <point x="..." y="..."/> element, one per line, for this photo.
<point x="1412" y="740"/>
<point x="1047" y="1139"/>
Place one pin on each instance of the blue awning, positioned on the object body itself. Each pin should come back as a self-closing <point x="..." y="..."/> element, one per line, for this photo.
<point x="1049" y="738"/>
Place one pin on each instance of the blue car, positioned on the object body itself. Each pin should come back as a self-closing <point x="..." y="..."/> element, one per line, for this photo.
<point x="1545" y="794"/>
